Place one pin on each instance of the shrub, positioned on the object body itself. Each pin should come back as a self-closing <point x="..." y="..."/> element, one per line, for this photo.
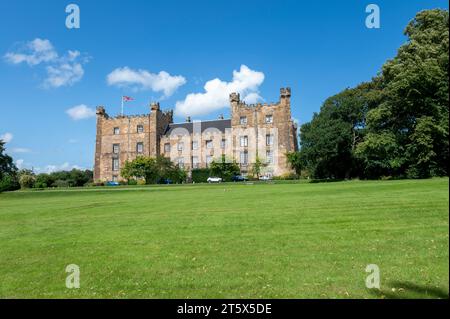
<point x="132" y="182"/>
<point x="8" y="183"/>
<point x="200" y="175"/>
<point x="286" y="177"/>
<point x="61" y="183"/>
<point x="27" y="181"/>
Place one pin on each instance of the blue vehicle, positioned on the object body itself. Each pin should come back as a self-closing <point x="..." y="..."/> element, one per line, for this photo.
<point x="239" y="178"/>
<point x="111" y="183"/>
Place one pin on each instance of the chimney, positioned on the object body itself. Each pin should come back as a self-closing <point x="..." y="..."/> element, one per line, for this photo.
<point x="221" y="117"/>
<point x="188" y="119"/>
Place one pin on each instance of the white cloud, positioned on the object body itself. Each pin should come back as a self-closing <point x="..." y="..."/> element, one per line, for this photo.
<point x="56" y="168"/>
<point x="61" y="71"/>
<point x="19" y="163"/>
<point x="145" y="80"/>
<point x="63" y="75"/>
<point x="216" y="95"/>
<point x="80" y="112"/>
<point x="20" y="150"/>
<point x="7" y="137"/>
<point x="34" y="52"/>
<point x="73" y="141"/>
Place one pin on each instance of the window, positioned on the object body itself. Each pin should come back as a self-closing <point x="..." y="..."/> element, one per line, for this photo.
<point x="244" y="158"/>
<point x="244" y="141"/>
<point x="115" y="178"/>
<point x="195" y="163"/>
<point x="223" y="144"/>
<point x="209" y="159"/>
<point x="140" y="147"/>
<point x="180" y="161"/>
<point x="269" y="139"/>
<point x="194" y="145"/>
<point x="269" y="119"/>
<point x="167" y="148"/>
<point x="180" y="146"/>
<point x="209" y="144"/>
<point x="269" y="157"/>
<point x="116" y="131"/>
<point x="140" y="129"/>
<point x="115" y="164"/>
<point x="243" y="120"/>
<point x="116" y="148"/>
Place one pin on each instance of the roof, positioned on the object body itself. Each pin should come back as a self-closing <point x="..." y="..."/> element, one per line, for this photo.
<point x="221" y="125"/>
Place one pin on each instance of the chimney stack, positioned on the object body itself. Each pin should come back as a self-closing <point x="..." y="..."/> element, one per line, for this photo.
<point x="221" y="117"/>
<point x="188" y="119"/>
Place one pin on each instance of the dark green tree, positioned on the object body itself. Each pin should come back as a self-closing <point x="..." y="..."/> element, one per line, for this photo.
<point x="224" y="168"/>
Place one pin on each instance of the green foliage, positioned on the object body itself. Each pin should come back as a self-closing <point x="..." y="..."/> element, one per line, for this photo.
<point x="26" y="180"/>
<point x="296" y="161"/>
<point x="200" y="175"/>
<point x="224" y="168"/>
<point x="256" y="167"/>
<point x="153" y="170"/>
<point x="8" y="171"/>
<point x="397" y="124"/>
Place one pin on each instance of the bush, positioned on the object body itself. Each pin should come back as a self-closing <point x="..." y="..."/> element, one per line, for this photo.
<point x="200" y="175"/>
<point x="9" y="183"/>
<point x="27" y="181"/>
<point x="43" y="180"/>
<point x="61" y="183"/>
<point x="132" y="182"/>
<point x="286" y="177"/>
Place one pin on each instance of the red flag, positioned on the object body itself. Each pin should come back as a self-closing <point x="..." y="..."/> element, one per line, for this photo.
<point x="127" y="98"/>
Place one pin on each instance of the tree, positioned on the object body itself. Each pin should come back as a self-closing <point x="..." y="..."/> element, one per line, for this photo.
<point x="414" y="104"/>
<point x="224" y="168"/>
<point x="153" y="170"/>
<point x="329" y="140"/>
<point x="141" y="167"/>
<point x="256" y="167"/>
<point x="26" y="179"/>
<point x="8" y="171"/>
<point x="296" y="161"/>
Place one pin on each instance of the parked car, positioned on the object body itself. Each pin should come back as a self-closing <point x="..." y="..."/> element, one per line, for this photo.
<point x="239" y="178"/>
<point x="214" y="180"/>
<point x="265" y="178"/>
<point x="111" y="183"/>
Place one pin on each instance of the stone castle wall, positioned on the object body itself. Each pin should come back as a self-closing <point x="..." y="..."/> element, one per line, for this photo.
<point x="261" y="121"/>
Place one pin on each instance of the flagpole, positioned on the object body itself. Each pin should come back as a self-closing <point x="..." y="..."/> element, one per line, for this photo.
<point x="122" y="104"/>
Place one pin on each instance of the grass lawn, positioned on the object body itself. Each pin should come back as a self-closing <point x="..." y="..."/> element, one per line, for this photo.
<point x="297" y="240"/>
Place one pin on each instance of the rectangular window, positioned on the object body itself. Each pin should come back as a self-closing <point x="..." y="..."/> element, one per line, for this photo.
<point x="209" y="159"/>
<point x="167" y="148"/>
<point x="195" y="163"/>
<point x="243" y="120"/>
<point x="140" y="128"/>
<point x="180" y="162"/>
<point x="244" y="141"/>
<point x="194" y="145"/>
<point x="180" y="146"/>
<point x="116" y="148"/>
<point x="140" y="147"/>
<point x="209" y="144"/>
<point x="269" y="119"/>
<point x="115" y="178"/>
<point x="115" y="164"/>
<point x="269" y="139"/>
<point x="269" y="157"/>
<point x="223" y="143"/>
<point x="244" y="158"/>
<point x="116" y="131"/>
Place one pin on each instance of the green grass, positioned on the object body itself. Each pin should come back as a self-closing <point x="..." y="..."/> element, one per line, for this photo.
<point x="293" y="240"/>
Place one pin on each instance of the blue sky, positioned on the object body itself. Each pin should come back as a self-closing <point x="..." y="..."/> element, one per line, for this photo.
<point x="168" y="51"/>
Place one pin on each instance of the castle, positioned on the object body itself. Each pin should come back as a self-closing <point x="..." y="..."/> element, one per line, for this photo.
<point x="264" y="131"/>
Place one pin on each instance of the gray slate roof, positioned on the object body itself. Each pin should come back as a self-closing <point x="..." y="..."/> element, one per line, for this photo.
<point x="218" y="124"/>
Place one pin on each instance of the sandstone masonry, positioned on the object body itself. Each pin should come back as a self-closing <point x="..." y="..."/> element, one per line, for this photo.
<point x="264" y="131"/>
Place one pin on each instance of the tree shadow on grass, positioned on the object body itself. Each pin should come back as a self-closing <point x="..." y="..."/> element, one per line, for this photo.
<point x="409" y="290"/>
